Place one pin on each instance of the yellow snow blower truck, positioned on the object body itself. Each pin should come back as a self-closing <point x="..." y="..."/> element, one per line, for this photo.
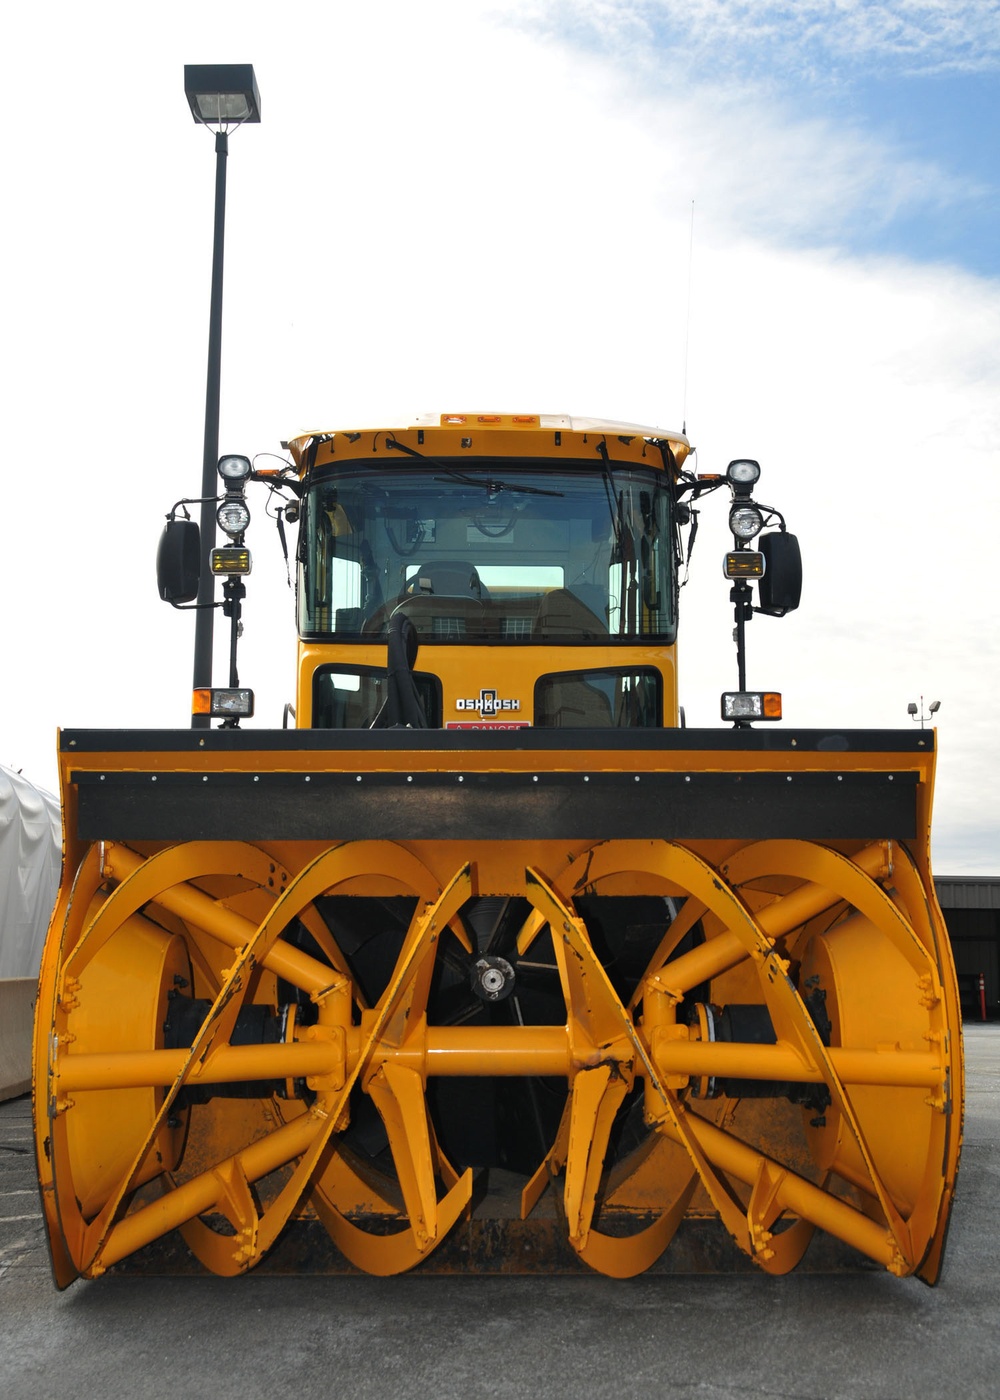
<point x="489" y="963"/>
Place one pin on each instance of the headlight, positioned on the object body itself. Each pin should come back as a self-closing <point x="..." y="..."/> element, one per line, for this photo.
<point x="233" y="517"/>
<point x="743" y="472"/>
<point x="223" y="704"/>
<point x="745" y="521"/>
<point x="234" y="470"/>
<point x="751" y="704"/>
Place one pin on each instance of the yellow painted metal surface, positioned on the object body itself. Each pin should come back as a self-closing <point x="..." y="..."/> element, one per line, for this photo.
<point x="464" y="671"/>
<point x="552" y="437"/>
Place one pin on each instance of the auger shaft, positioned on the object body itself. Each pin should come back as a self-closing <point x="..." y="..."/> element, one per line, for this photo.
<point x="508" y="1051"/>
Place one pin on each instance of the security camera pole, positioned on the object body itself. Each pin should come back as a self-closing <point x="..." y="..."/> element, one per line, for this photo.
<point x="916" y="714"/>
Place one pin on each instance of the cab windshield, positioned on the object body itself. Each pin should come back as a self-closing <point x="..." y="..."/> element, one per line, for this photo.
<point x="488" y="551"/>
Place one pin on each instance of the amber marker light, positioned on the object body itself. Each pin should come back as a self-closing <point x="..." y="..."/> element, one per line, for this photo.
<point x="223" y="704"/>
<point x="231" y="559"/>
<point x="744" y="563"/>
<point x="749" y="705"/>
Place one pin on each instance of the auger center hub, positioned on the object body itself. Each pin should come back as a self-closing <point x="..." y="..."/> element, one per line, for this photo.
<point x="492" y="979"/>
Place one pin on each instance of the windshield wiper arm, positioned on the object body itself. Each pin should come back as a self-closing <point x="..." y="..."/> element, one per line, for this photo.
<point x="614" y="500"/>
<point x="397" y="446"/>
<point x="490" y="484"/>
<point x="494" y="485"/>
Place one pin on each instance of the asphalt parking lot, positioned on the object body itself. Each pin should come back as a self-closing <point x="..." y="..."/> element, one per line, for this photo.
<point x="862" y="1336"/>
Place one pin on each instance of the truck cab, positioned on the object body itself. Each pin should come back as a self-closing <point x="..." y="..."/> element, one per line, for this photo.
<point x="534" y="557"/>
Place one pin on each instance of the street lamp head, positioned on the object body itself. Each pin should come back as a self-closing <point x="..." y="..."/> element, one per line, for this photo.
<point x="911" y="708"/>
<point x="222" y="94"/>
<point x="934" y="706"/>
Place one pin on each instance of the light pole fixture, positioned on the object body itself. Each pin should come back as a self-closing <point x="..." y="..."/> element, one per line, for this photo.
<point x="220" y="95"/>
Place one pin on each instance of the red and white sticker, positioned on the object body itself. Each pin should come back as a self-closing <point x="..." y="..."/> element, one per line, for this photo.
<point x="487" y="724"/>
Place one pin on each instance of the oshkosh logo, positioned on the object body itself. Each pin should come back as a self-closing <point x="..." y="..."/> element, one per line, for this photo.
<point x="488" y="704"/>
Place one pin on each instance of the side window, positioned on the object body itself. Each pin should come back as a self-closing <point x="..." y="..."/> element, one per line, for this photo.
<point x="600" y="700"/>
<point x="331" y="577"/>
<point x="345" y="590"/>
<point x="350" y="697"/>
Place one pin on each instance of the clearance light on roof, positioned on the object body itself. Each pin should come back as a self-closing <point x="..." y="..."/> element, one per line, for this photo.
<point x="491" y="420"/>
<point x="749" y="705"/>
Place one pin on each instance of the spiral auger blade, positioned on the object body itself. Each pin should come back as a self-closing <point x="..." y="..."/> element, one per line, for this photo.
<point x="831" y="965"/>
<point x="606" y="1053"/>
<point x="112" y="1080"/>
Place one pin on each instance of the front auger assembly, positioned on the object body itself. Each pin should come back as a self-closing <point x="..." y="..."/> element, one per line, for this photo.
<point x="235" y="1034"/>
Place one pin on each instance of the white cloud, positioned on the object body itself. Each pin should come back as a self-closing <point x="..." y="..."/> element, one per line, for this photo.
<point x="802" y="38"/>
<point x="760" y="169"/>
<point x="747" y="98"/>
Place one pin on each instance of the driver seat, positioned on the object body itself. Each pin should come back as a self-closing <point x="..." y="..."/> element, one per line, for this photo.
<point x="450" y="578"/>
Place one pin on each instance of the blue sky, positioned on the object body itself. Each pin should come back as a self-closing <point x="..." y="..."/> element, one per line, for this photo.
<point x="913" y="86"/>
<point x="952" y="122"/>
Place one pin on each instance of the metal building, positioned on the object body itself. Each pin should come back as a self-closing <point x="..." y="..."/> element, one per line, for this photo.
<point x="971" y="907"/>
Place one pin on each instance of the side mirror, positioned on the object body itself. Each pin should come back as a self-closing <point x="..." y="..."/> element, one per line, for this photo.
<point x="781" y="586"/>
<point x="178" y="561"/>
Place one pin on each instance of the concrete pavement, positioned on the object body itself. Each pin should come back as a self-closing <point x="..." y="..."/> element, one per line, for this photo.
<point x="863" y="1336"/>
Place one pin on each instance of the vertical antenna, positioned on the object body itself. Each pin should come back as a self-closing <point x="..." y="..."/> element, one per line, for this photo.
<point x="687" y="323"/>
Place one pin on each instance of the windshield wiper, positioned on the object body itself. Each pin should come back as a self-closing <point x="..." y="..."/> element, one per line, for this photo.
<point x="494" y="486"/>
<point x="614" y="499"/>
<point x="491" y="484"/>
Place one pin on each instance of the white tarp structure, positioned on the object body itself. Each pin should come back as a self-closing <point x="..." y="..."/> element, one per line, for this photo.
<point x="30" y="855"/>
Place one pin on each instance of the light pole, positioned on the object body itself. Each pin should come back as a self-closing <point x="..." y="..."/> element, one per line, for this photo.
<point x="221" y="96"/>
<point x="916" y="714"/>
